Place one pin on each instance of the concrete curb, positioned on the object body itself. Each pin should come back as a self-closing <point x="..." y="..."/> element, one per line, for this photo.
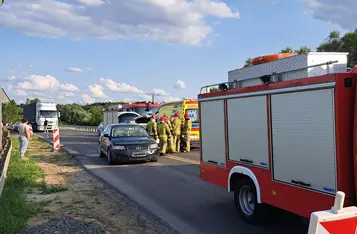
<point x="4" y="172"/>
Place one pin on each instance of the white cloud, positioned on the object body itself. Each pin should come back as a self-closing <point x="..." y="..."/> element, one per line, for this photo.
<point x="77" y="69"/>
<point x="20" y="92"/>
<point x="160" y="92"/>
<point x="39" y="82"/>
<point x="12" y="77"/>
<point x="47" y="88"/>
<point x="87" y="99"/>
<point x="171" y="21"/>
<point x="119" y="87"/>
<point x="180" y="84"/>
<point x="91" y="2"/>
<point x="340" y="12"/>
<point x="69" y="87"/>
<point x="96" y="91"/>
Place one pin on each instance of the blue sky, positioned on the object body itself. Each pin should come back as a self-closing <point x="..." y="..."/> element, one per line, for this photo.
<point x="91" y="50"/>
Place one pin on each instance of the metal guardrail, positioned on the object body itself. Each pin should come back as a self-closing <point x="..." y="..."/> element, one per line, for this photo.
<point x="80" y="128"/>
<point x="7" y="155"/>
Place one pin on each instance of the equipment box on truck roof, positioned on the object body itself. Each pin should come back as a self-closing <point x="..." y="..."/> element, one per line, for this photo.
<point x="300" y="63"/>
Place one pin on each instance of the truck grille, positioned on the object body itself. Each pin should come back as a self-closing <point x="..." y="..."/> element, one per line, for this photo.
<point x="137" y="147"/>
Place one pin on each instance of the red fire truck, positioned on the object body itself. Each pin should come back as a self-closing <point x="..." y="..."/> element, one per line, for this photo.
<point x="142" y="108"/>
<point x="283" y="140"/>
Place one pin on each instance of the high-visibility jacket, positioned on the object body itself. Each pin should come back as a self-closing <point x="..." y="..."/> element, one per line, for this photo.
<point x="151" y="128"/>
<point x="163" y="130"/>
<point x="176" y="126"/>
<point x="168" y="122"/>
<point x="187" y="127"/>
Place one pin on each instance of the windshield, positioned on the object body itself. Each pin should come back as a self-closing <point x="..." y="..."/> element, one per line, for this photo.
<point x="142" y="110"/>
<point x="126" y="118"/>
<point x="48" y="114"/>
<point x="193" y="114"/>
<point x="128" y="131"/>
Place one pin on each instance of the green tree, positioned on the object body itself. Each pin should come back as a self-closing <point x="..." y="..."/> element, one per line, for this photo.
<point x="214" y="89"/>
<point x="332" y="43"/>
<point x="96" y="115"/>
<point x="303" y="50"/>
<point x="10" y="112"/>
<point x="287" y="50"/>
<point x="30" y="101"/>
<point x="347" y="43"/>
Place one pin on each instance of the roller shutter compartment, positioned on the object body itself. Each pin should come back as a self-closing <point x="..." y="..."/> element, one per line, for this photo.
<point x="303" y="138"/>
<point x="248" y="131"/>
<point x="212" y="132"/>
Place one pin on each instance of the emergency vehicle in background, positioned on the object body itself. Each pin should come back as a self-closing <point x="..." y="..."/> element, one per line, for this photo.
<point x="189" y="106"/>
<point x="142" y="108"/>
<point x="282" y="133"/>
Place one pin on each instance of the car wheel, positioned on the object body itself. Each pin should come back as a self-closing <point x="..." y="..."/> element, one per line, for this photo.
<point x="100" y="152"/>
<point x="155" y="159"/>
<point x="245" y="199"/>
<point x="110" y="159"/>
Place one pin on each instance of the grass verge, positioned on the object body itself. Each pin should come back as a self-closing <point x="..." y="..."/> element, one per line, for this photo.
<point x="14" y="208"/>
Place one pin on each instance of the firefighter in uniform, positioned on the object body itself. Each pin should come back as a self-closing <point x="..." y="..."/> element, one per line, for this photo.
<point x="164" y="133"/>
<point x="169" y="140"/>
<point x="186" y="132"/>
<point x="176" y="132"/>
<point x="151" y="128"/>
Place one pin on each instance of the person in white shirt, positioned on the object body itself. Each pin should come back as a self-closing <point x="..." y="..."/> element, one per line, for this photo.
<point x="24" y="137"/>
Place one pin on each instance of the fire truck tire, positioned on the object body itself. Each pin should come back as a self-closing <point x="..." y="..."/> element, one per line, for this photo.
<point x="245" y="199"/>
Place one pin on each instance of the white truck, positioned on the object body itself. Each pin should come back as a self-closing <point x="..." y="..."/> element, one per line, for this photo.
<point x="37" y="113"/>
<point x="114" y="117"/>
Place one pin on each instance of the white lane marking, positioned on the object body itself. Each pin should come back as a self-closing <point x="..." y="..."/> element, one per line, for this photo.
<point x="73" y="152"/>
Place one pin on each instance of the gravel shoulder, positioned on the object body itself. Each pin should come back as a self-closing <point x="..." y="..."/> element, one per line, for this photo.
<point x="69" y="195"/>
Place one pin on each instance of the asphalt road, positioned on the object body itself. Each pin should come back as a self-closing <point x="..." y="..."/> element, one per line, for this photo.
<point x="172" y="189"/>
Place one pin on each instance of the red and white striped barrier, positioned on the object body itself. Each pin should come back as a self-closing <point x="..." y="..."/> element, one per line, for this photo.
<point x="31" y="131"/>
<point x="56" y="141"/>
<point x="338" y="220"/>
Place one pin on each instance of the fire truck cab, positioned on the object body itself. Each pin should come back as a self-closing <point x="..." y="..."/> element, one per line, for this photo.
<point x="285" y="139"/>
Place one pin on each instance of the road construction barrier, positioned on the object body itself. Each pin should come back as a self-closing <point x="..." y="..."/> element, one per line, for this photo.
<point x="79" y="128"/>
<point x="56" y="140"/>
<point x="335" y="221"/>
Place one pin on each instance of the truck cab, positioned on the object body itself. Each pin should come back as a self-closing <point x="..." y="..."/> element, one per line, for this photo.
<point x="38" y="113"/>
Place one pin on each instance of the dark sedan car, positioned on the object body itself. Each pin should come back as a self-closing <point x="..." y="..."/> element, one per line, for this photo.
<point x="127" y="142"/>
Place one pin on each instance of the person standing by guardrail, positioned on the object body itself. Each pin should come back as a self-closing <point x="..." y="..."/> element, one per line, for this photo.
<point x="46" y="129"/>
<point x="24" y="137"/>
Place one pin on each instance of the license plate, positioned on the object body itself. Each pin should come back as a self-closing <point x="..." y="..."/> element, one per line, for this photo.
<point x="138" y="155"/>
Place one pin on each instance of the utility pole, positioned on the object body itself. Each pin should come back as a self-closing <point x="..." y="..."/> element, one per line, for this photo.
<point x="153" y="95"/>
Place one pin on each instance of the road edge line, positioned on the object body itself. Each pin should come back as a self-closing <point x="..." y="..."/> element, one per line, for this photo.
<point x="182" y="159"/>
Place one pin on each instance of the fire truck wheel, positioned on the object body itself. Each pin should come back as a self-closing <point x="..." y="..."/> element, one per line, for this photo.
<point x="245" y="199"/>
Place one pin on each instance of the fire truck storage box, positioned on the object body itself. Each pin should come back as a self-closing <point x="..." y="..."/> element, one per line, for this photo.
<point x="303" y="139"/>
<point x="248" y="130"/>
<point x="302" y="134"/>
<point x="212" y="133"/>
<point x="249" y="76"/>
